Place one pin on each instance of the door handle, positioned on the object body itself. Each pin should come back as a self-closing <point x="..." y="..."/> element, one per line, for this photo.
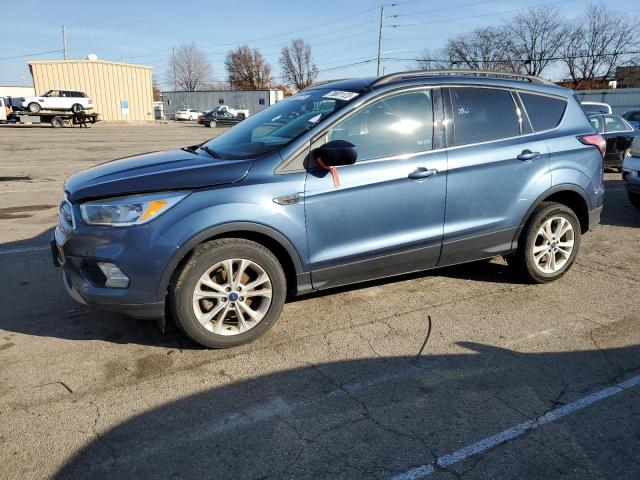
<point x="421" y="173"/>
<point x="527" y="155"/>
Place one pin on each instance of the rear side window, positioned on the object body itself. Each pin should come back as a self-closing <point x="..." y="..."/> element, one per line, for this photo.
<point x="483" y="114"/>
<point x="544" y="112"/>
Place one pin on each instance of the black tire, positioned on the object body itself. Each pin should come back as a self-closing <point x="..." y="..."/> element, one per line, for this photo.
<point x="34" y="107"/>
<point x="523" y="261"/>
<point x="57" y="122"/>
<point x="213" y="124"/>
<point x="76" y="107"/>
<point x="634" y="198"/>
<point x="204" y="257"/>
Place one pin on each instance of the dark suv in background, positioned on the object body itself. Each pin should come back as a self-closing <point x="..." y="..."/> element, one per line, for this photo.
<point x="346" y="181"/>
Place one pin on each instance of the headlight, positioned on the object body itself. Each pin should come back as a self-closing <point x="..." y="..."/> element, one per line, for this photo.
<point x="130" y="210"/>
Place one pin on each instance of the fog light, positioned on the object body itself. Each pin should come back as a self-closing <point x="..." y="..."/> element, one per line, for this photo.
<point x="115" y="277"/>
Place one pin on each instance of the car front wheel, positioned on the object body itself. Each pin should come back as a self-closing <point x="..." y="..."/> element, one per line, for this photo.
<point x="548" y="245"/>
<point x="229" y="292"/>
<point x="76" y="107"/>
<point x="34" y="107"/>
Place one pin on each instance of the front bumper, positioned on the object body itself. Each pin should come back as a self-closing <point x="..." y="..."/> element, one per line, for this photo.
<point x="139" y="251"/>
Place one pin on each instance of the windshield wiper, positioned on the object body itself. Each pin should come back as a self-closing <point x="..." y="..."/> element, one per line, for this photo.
<point x="213" y="153"/>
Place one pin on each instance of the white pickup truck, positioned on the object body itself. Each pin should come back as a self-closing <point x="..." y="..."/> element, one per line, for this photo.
<point x="242" y="113"/>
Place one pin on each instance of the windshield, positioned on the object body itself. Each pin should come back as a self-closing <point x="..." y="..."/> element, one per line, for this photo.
<point x="279" y="124"/>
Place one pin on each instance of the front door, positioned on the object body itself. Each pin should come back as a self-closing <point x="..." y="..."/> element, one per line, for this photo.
<point x="386" y="216"/>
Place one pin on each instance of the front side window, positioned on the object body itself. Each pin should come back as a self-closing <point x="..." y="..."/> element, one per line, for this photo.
<point x="52" y="94"/>
<point x="483" y="114"/>
<point x="613" y="123"/>
<point x="396" y="125"/>
<point x="279" y="124"/>
<point x="544" y="112"/>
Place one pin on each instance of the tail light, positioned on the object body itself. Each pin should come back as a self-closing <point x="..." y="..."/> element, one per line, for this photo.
<point x="596" y="140"/>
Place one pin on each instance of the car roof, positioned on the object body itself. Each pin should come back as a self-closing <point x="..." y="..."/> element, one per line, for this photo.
<point x="496" y="79"/>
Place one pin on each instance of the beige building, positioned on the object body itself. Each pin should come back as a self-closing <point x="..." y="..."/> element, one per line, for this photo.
<point x="121" y="92"/>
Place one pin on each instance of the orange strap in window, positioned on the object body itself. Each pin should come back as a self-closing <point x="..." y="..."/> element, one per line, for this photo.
<point x="332" y="170"/>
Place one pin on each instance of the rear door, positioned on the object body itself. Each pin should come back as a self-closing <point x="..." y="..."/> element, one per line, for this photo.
<point x="387" y="214"/>
<point x="496" y="168"/>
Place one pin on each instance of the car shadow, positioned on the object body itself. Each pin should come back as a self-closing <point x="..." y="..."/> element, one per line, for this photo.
<point x="377" y="417"/>
<point x="37" y="303"/>
<point x="33" y="286"/>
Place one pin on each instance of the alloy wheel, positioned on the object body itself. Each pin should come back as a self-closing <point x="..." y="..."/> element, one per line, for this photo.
<point x="553" y="244"/>
<point x="232" y="296"/>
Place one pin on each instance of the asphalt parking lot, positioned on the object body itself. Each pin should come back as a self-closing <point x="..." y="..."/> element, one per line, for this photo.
<point x="515" y="380"/>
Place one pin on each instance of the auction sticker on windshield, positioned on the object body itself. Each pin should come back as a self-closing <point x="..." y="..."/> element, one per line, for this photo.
<point x="340" y="95"/>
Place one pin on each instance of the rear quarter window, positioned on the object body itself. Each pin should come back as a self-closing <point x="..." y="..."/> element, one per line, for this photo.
<point x="544" y="112"/>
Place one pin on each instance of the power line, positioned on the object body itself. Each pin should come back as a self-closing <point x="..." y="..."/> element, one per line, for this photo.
<point x="429" y="22"/>
<point x="515" y="60"/>
<point x="435" y="10"/>
<point x="277" y="46"/>
<point x="30" y="55"/>
<point x="339" y="19"/>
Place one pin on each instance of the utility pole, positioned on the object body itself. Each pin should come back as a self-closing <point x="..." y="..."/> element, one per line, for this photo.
<point x="64" y="42"/>
<point x="175" y="78"/>
<point x="380" y="40"/>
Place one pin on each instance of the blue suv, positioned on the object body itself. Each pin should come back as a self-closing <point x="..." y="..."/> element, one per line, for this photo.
<point x="343" y="182"/>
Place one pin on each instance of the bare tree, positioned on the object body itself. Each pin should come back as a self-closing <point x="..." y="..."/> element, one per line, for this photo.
<point x="535" y="38"/>
<point x="189" y="68"/>
<point x="297" y="64"/>
<point x="155" y="89"/>
<point x="431" y="59"/>
<point x="247" y="69"/>
<point x="598" y="42"/>
<point x="486" y="48"/>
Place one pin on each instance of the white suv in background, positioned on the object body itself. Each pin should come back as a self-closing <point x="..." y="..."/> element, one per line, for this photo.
<point x="70" y="100"/>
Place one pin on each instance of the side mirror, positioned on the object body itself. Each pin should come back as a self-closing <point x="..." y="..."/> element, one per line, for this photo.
<point x="336" y="153"/>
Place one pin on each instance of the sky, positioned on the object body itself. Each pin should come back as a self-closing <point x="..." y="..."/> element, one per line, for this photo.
<point x="343" y="34"/>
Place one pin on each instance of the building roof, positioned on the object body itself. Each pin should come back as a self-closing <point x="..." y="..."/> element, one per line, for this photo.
<point x="104" y="62"/>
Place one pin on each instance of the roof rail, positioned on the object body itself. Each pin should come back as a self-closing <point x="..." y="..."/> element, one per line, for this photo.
<point x="394" y="77"/>
<point x="321" y="82"/>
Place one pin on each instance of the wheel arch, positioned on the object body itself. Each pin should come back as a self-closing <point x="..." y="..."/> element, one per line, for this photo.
<point x="570" y="195"/>
<point x="277" y="243"/>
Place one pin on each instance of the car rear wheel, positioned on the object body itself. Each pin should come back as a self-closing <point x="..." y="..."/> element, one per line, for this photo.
<point x="212" y="124"/>
<point x="34" y="107"/>
<point x="548" y="245"/>
<point x="76" y="107"/>
<point x="634" y="198"/>
<point x="229" y="292"/>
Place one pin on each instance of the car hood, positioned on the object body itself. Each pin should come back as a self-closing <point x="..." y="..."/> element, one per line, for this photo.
<point x="154" y="172"/>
